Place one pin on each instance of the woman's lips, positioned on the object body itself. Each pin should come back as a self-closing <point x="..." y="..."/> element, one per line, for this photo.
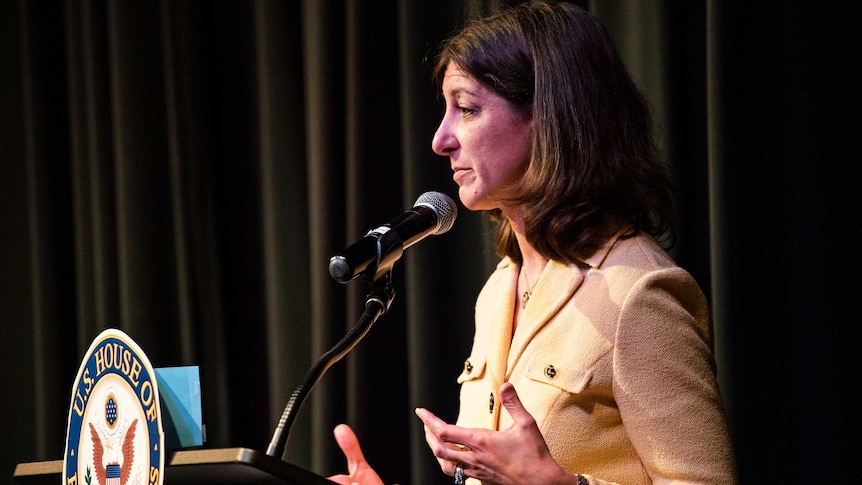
<point x="459" y="173"/>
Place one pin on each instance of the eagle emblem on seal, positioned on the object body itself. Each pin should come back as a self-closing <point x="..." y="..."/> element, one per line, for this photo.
<point x="113" y="460"/>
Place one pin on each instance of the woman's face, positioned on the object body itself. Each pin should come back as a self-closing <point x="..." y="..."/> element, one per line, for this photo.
<point x="488" y="143"/>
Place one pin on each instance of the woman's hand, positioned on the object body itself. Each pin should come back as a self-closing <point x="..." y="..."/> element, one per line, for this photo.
<point x="360" y="472"/>
<point x="518" y="455"/>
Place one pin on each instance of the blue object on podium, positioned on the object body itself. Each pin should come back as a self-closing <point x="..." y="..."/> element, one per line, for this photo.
<point x="180" y="400"/>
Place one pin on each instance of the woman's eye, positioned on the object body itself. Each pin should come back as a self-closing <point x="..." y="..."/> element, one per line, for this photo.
<point x="466" y="111"/>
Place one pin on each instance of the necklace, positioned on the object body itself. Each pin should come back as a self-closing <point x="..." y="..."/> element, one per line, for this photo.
<point x="525" y="297"/>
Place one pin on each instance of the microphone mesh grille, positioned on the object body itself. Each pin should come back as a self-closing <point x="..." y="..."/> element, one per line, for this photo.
<point x="443" y="205"/>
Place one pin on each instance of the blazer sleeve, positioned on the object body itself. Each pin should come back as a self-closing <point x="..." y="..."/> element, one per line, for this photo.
<point x="665" y="384"/>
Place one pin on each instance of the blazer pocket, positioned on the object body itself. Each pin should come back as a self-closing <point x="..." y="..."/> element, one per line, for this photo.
<point x="547" y="370"/>
<point x="474" y="368"/>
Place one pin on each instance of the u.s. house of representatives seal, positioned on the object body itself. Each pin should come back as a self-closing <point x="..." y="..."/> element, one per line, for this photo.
<point x="115" y="434"/>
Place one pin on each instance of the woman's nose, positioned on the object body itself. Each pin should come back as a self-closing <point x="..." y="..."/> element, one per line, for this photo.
<point x="444" y="142"/>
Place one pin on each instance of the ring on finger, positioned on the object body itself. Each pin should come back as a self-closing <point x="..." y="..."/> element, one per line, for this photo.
<point x="459" y="474"/>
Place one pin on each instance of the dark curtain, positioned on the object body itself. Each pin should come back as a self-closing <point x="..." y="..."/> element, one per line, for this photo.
<point x="182" y="170"/>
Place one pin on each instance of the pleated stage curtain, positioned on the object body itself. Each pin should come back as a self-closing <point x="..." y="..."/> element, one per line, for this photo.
<point x="183" y="170"/>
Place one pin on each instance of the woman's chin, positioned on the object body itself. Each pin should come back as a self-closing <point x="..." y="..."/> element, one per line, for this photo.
<point x="477" y="201"/>
<point x="471" y="200"/>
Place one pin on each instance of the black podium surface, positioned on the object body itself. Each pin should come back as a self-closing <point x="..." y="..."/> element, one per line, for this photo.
<point x="222" y="466"/>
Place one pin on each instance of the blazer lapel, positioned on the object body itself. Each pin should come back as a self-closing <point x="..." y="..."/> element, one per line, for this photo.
<point x="556" y="285"/>
<point x="554" y="288"/>
<point x="498" y="313"/>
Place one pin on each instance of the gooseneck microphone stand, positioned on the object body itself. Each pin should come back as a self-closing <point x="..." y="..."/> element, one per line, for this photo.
<point x="376" y="304"/>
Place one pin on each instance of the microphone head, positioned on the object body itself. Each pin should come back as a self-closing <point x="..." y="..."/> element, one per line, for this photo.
<point x="443" y="206"/>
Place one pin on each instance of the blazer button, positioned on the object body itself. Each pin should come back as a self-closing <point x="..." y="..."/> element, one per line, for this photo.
<point x="550" y="371"/>
<point x="468" y="367"/>
<point x="491" y="404"/>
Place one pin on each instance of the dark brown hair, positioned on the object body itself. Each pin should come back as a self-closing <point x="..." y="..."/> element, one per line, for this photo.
<point x="595" y="168"/>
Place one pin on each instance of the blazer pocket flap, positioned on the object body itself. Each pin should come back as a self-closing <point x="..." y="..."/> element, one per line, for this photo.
<point x="474" y="368"/>
<point x="557" y="374"/>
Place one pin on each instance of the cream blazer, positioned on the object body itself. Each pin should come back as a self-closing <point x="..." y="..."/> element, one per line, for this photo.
<point x="613" y="358"/>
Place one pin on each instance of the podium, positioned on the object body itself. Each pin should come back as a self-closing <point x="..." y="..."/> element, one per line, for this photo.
<point x="244" y="466"/>
<point x="222" y="466"/>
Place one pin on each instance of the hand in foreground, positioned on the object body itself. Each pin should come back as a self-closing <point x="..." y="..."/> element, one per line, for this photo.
<point x="360" y="472"/>
<point x="513" y="456"/>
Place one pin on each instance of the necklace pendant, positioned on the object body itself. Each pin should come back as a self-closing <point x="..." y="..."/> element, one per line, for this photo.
<point x="524" y="299"/>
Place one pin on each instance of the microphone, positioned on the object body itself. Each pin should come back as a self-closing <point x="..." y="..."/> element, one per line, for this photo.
<point x="372" y="256"/>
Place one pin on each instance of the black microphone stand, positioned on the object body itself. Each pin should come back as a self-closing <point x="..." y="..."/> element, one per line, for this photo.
<point x="376" y="304"/>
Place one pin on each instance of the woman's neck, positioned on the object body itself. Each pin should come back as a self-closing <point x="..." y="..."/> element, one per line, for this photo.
<point x="532" y="261"/>
<point x="532" y="265"/>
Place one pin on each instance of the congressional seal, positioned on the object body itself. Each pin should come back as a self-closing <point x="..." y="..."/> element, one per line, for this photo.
<point x="115" y="434"/>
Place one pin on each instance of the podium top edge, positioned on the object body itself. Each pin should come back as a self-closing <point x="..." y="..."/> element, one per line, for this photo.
<point x="221" y="455"/>
<point x="222" y="466"/>
<point x="39" y="468"/>
<point x="181" y="457"/>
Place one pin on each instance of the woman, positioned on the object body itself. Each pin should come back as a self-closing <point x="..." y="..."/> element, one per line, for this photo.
<point x="592" y="357"/>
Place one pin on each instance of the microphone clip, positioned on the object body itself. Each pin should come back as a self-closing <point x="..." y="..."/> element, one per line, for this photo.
<point x="389" y="248"/>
